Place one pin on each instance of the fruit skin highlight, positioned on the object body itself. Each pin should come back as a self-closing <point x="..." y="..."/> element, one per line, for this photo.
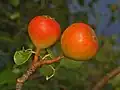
<point x="79" y="42"/>
<point x="44" y="31"/>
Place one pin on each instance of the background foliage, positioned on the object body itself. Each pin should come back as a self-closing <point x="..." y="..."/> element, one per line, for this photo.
<point x="70" y="75"/>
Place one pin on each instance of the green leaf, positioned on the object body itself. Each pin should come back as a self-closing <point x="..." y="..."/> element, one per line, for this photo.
<point x="108" y="87"/>
<point x="70" y="76"/>
<point x="57" y="3"/>
<point x="15" y="3"/>
<point x="4" y="34"/>
<point x="43" y="52"/>
<point x="20" y="57"/>
<point x="43" y="3"/>
<point x="101" y="56"/>
<point x="106" y="53"/>
<point x="55" y="50"/>
<point x="7" y="76"/>
<point x="80" y="17"/>
<point x="48" y="71"/>
<point x="60" y="14"/>
<point x="49" y="50"/>
<point x="15" y="16"/>
<point x="81" y="2"/>
<point x="115" y="81"/>
<point x="69" y="63"/>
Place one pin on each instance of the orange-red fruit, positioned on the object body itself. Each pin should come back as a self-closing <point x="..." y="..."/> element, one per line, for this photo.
<point x="43" y="31"/>
<point x="79" y="42"/>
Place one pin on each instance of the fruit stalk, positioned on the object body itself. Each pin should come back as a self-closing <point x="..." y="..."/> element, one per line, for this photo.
<point x="36" y="55"/>
<point x="32" y="69"/>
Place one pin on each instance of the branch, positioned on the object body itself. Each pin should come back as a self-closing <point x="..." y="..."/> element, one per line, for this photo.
<point x="105" y="79"/>
<point x="32" y="69"/>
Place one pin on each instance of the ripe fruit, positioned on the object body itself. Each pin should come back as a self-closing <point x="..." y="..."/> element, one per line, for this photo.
<point x="79" y="42"/>
<point x="43" y="31"/>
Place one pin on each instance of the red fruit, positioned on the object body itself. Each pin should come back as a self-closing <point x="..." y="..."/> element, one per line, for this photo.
<point x="43" y="31"/>
<point x="79" y="42"/>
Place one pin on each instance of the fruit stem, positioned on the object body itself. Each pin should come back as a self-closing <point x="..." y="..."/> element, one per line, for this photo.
<point x="36" y="56"/>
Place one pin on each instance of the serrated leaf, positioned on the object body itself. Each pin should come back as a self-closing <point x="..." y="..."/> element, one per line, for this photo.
<point x="47" y="71"/>
<point x="20" y="57"/>
<point x="68" y="63"/>
<point x="7" y="76"/>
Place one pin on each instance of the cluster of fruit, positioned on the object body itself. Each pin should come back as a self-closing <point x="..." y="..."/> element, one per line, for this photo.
<point x="78" y="41"/>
